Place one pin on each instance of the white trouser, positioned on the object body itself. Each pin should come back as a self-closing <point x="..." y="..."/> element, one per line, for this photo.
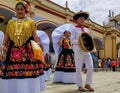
<point x="80" y="58"/>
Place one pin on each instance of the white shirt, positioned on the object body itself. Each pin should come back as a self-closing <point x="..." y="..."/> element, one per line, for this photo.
<point x="76" y="33"/>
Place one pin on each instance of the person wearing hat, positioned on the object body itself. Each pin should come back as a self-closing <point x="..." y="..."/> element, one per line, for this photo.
<point x="21" y="69"/>
<point x="81" y="56"/>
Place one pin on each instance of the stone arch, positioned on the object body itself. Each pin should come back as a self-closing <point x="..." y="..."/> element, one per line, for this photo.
<point x="7" y="13"/>
<point x="99" y="43"/>
<point x="118" y="47"/>
<point x="46" y="21"/>
<point x="99" y="47"/>
<point x="48" y="27"/>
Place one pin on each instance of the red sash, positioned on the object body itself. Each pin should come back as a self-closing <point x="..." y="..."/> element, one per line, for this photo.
<point x="82" y="27"/>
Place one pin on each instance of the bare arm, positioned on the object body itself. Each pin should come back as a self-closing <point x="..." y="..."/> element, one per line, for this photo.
<point x="5" y="40"/>
<point x="37" y="39"/>
<point x="61" y="40"/>
<point x="35" y="36"/>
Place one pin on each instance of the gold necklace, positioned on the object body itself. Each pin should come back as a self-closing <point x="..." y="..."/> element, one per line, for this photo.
<point x="19" y="28"/>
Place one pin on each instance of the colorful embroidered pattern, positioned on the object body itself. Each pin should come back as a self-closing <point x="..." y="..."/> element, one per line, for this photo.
<point x="20" y="63"/>
<point x="66" y="61"/>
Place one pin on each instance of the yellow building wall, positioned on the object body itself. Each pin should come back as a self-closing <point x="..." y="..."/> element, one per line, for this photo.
<point x="101" y="53"/>
<point x="108" y="47"/>
<point x="49" y="16"/>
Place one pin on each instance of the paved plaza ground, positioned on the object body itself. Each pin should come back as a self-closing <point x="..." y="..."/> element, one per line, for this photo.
<point x="103" y="82"/>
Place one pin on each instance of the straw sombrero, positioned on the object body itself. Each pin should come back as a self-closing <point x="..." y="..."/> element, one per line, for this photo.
<point x="81" y="14"/>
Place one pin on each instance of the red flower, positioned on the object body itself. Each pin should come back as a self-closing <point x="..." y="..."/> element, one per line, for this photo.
<point x="65" y="46"/>
<point x="29" y="67"/>
<point x="24" y="50"/>
<point x="31" y="55"/>
<point x="62" y="63"/>
<point x="17" y="54"/>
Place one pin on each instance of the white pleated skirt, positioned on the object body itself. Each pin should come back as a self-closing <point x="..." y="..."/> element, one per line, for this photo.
<point x="42" y="82"/>
<point x="28" y="85"/>
<point x="47" y="74"/>
<point x="64" y="77"/>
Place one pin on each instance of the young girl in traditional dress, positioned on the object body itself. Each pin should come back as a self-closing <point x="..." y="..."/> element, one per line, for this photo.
<point x="65" y="68"/>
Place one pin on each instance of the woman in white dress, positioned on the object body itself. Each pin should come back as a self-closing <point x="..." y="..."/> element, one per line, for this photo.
<point x="65" y="67"/>
<point x="44" y="40"/>
<point x="20" y="72"/>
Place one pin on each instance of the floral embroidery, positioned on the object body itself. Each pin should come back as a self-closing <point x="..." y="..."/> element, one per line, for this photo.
<point x="66" y="60"/>
<point x="67" y="44"/>
<point x="17" y="54"/>
<point x="21" y="63"/>
<point x="24" y="66"/>
<point x="21" y="54"/>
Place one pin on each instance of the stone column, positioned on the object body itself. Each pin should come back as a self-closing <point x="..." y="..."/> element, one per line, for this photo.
<point x="114" y="47"/>
<point x="101" y="53"/>
<point x="104" y="47"/>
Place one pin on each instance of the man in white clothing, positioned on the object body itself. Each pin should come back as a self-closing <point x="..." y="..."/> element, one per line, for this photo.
<point x="81" y="56"/>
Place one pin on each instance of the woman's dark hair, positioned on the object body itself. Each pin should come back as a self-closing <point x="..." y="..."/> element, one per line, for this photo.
<point x="21" y="4"/>
<point x="25" y="5"/>
<point x="64" y="32"/>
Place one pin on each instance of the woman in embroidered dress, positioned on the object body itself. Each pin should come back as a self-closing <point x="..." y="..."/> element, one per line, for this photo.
<point x="65" y="68"/>
<point x="20" y="73"/>
<point x="44" y="40"/>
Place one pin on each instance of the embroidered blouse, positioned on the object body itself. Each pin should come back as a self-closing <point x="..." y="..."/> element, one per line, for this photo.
<point x="17" y="36"/>
<point x="66" y="44"/>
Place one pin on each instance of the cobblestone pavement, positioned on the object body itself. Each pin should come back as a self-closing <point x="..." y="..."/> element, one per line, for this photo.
<point x="103" y="82"/>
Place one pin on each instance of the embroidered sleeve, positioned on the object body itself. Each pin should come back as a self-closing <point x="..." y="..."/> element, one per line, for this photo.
<point x="33" y="26"/>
